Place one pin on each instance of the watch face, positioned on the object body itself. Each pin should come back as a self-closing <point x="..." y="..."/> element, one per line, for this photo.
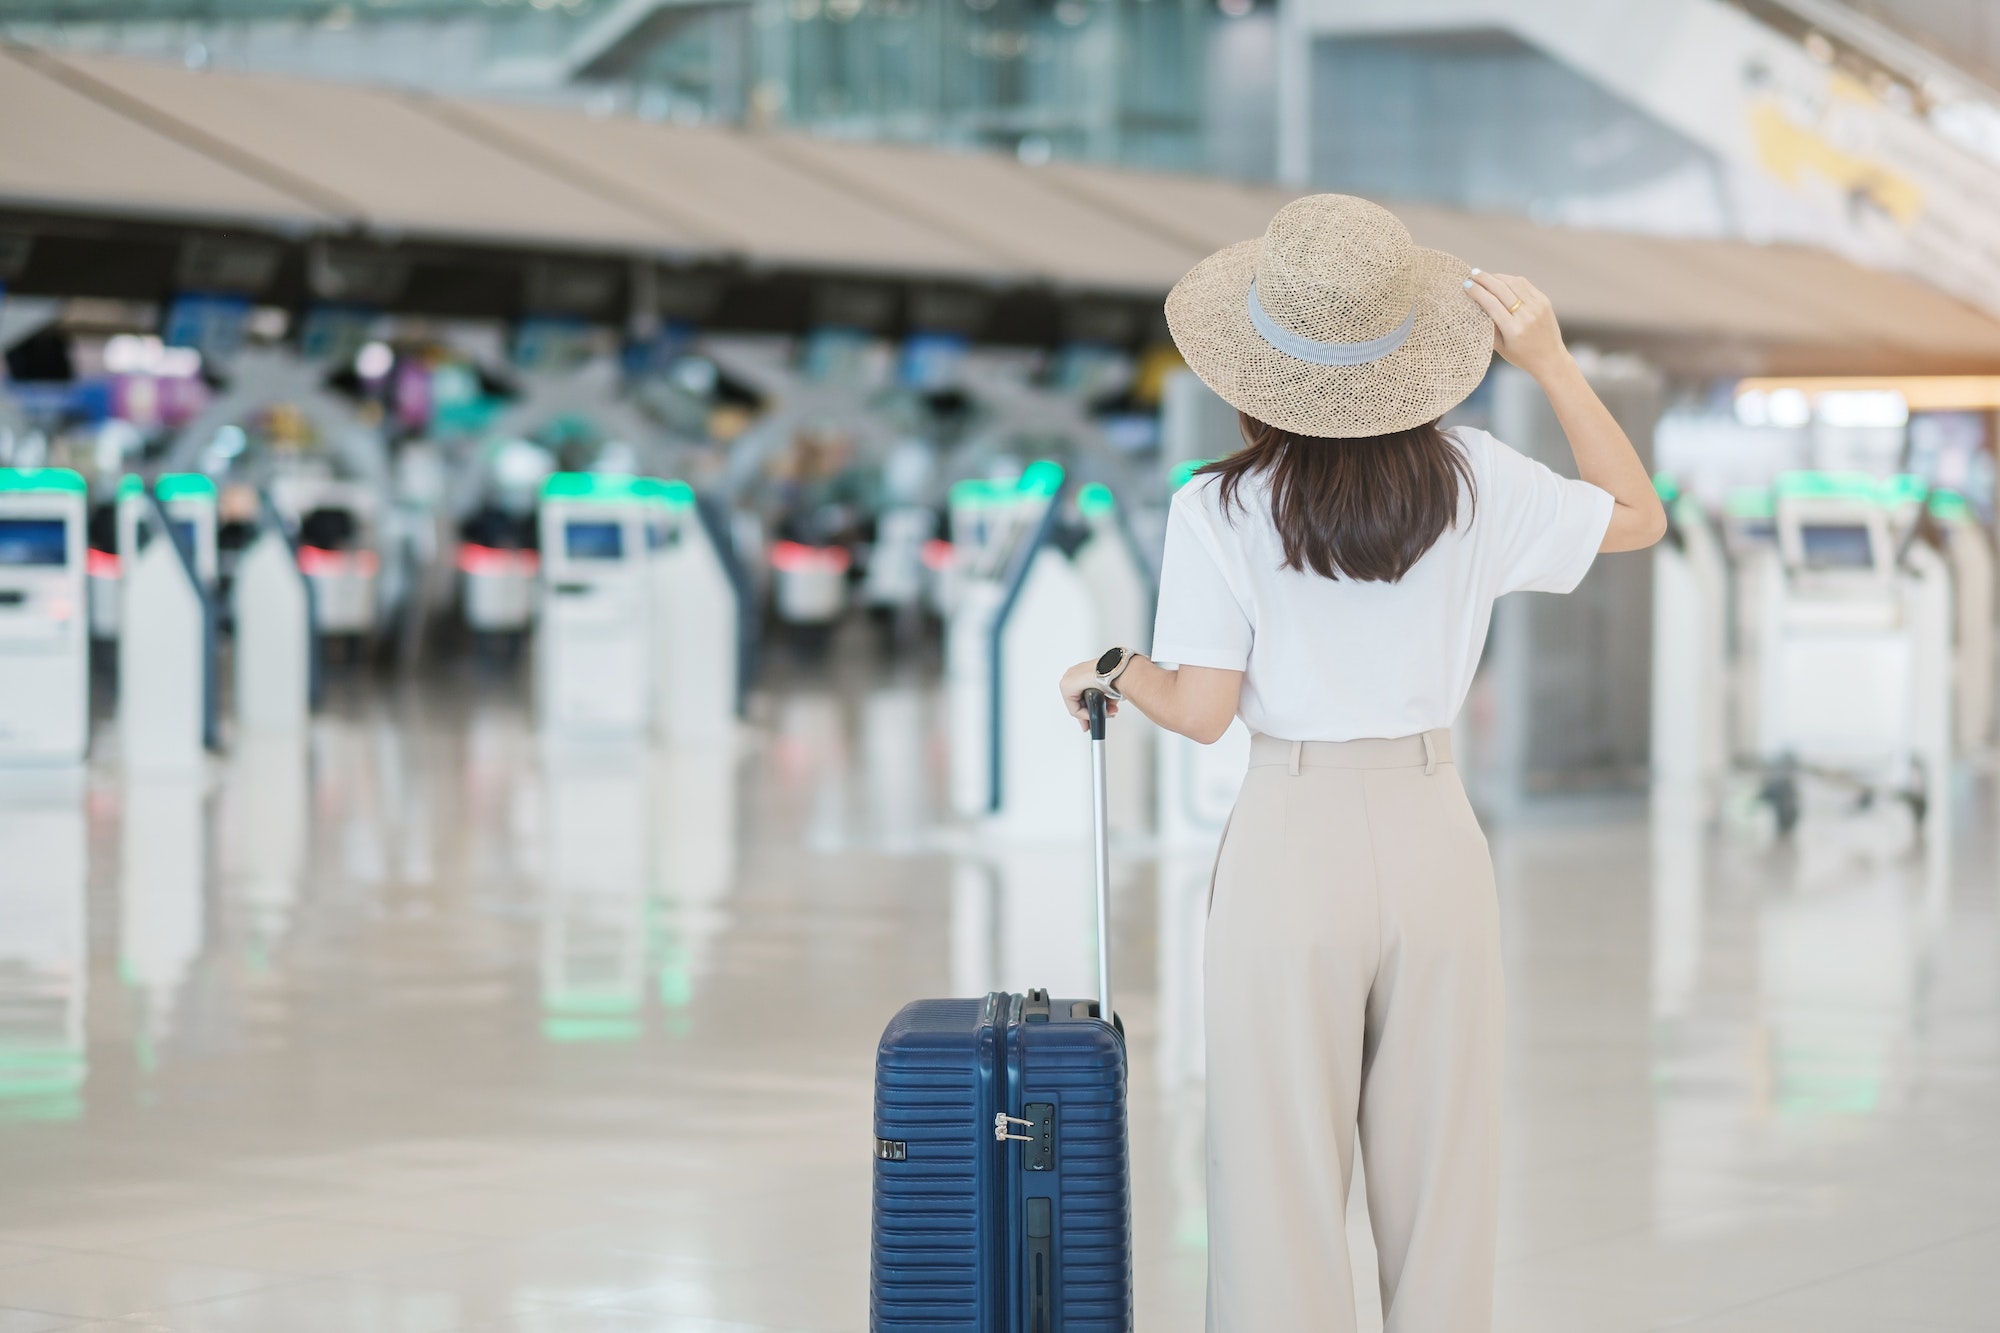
<point x="1109" y="662"/>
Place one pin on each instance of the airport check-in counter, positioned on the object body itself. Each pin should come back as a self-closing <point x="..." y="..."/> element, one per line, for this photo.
<point x="44" y="617"/>
<point x="497" y="585"/>
<point x="809" y="583"/>
<point x="594" y="638"/>
<point x="335" y="523"/>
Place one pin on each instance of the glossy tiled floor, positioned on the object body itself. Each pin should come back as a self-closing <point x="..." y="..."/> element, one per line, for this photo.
<point x="423" y="1031"/>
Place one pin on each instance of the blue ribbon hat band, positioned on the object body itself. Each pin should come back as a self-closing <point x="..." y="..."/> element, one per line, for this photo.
<point x="1302" y="348"/>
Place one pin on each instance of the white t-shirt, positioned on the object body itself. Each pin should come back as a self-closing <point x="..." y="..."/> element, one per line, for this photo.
<point x="1336" y="659"/>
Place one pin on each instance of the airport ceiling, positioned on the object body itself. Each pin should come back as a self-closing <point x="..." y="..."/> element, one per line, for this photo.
<point x="142" y="180"/>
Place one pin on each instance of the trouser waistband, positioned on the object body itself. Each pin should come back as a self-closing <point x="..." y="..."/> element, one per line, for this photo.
<point x="1425" y="750"/>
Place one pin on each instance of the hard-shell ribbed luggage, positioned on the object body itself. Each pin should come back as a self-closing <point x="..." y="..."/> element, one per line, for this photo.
<point x="1002" y="1186"/>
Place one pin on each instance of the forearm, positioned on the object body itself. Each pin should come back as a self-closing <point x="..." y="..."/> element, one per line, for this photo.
<point x="1604" y="456"/>
<point x="1187" y="701"/>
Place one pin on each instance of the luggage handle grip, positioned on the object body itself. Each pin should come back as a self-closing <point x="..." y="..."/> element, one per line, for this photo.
<point x="1093" y="702"/>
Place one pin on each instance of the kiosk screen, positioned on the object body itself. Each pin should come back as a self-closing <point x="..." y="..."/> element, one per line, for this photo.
<point x="1757" y="530"/>
<point x="1836" y="546"/>
<point x="34" y="541"/>
<point x="594" y="541"/>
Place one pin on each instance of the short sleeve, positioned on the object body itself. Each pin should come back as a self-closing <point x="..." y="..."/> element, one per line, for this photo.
<point x="1543" y="529"/>
<point x="1200" y="621"/>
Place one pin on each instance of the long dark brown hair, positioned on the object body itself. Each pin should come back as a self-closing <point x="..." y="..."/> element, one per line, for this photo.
<point x="1366" y="508"/>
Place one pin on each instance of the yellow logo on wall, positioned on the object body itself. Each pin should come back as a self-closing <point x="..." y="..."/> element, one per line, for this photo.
<point x="1790" y="151"/>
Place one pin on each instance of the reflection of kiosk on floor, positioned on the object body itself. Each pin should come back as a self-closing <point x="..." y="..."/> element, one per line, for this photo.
<point x="593" y="648"/>
<point x="696" y="620"/>
<point x="44" y="951"/>
<point x="44" y="632"/>
<point x="593" y="946"/>
<point x="1022" y="615"/>
<point x="1853" y="646"/>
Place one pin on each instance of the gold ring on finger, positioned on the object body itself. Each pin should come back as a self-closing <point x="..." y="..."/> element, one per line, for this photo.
<point x="1518" y="303"/>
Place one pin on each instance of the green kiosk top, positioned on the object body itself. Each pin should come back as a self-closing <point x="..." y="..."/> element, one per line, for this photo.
<point x="1096" y="500"/>
<point x="1858" y="487"/>
<point x="666" y="492"/>
<point x="1039" y="481"/>
<point x="58" y="480"/>
<point x="173" y="486"/>
<point x="618" y="488"/>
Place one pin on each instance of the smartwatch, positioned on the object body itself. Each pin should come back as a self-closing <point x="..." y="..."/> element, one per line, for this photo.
<point x="1110" y="667"/>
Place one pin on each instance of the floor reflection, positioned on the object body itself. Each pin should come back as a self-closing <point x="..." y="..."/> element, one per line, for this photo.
<point x="163" y="882"/>
<point x="44" y="969"/>
<point x="422" y="1024"/>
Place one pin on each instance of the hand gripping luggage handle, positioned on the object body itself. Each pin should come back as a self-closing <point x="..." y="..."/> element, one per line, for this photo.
<point x="1093" y="700"/>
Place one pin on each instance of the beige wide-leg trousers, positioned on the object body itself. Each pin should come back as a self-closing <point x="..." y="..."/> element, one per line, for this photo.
<point x="1353" y="981"/>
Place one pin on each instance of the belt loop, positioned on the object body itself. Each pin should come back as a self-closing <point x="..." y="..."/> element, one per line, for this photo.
<point x="1430" y="755"/>
<point x="1298" y="756"/>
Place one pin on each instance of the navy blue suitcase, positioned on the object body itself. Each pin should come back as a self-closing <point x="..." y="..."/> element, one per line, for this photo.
<point x="1002" y="1186"/>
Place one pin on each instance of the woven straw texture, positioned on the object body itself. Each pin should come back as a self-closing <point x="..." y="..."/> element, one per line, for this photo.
<point x="1338" y="269"/>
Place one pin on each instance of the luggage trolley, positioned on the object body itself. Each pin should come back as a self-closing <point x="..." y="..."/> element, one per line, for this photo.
<point x="1853" y="645"/>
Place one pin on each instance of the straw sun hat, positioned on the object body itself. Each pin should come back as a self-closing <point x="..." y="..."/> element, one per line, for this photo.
<point x="1333" y="323"/>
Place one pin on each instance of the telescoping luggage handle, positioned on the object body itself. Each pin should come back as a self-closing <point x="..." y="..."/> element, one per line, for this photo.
<point x="1093" y="700"/>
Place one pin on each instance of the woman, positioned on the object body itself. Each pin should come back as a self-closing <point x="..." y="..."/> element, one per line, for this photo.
<point x="1331" y="583"/>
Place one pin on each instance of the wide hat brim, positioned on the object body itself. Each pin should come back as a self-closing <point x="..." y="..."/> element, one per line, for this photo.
<point x="1443" y="360"/>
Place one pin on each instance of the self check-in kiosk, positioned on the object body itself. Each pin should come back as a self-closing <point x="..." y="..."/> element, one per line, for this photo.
<point x="1122" y="589"/>
<point x="44" y="621"/>
<point x="277" y="648"/>
<point x="1022" y="615"/>
<point x="188" y="499"/>
<point x="593" y="647"/>
<point x="1969" y="550"/>
<point x="167" y="675"/>
<point x="1690" y="740"/>
<point x="697" y="639"/>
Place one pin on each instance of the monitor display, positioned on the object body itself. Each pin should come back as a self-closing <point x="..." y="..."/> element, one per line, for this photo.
<point x="1757" y="529"/>
<point x="1836" y="546"/>
<point x="594" y="541"/>
<point x="34" y="541"/>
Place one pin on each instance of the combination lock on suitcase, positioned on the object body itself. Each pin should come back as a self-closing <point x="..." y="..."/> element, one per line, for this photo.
<point x="1002" y="1185"/>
